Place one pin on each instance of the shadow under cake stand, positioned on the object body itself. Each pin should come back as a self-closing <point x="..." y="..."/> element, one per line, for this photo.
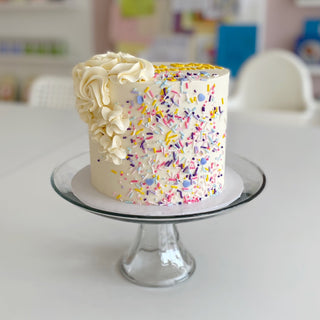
<point x="157" y="257"/>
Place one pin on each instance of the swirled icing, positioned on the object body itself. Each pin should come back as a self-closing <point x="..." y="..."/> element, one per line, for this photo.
<point x="92" y="78"/>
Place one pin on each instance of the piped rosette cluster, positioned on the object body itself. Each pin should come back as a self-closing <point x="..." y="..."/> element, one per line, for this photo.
<point x="107" y="122"/>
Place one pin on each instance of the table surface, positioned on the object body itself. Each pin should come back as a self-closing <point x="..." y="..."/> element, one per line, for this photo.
<point x="261" y="261"/>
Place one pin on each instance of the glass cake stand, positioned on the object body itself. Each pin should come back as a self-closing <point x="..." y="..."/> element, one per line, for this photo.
<point x="157" y="257"/>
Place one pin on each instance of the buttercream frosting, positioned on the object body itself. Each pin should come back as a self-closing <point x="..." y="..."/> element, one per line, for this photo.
<point x="91" y="85"/>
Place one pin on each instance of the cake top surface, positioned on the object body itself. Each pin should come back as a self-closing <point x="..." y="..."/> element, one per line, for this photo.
<point x="187" y="71"/>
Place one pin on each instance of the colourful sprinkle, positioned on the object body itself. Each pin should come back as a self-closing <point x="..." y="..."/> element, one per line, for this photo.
<point x="201" y="97"/>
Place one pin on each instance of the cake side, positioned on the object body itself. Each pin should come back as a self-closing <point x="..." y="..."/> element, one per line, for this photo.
<point x="174" y="144"/>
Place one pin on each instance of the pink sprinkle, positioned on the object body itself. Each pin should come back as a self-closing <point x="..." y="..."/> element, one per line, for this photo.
<point x="134" y="181"/>
<point x="149" y="138"/>
<point x="187" y="85"/>
<point x="180" y="143"/>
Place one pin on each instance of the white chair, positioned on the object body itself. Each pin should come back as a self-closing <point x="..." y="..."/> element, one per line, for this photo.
<point x="50" y="91"/>
<point x="275" y="82"/>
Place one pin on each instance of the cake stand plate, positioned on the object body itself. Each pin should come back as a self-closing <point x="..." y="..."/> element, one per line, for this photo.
<point x="86" y="193"/>
<point x="157" y="257"/>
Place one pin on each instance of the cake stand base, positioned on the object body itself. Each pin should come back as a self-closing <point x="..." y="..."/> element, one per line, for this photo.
<point x="157" y="258"/>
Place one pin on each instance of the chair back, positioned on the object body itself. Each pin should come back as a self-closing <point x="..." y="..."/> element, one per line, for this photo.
<point x="49" y="91"/>
<point x="275" y="79"/>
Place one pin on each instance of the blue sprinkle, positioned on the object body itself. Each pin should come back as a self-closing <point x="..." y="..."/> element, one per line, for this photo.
<point x="150" y="181"/>
<point x="201" y="97"/>
<point x="139" y="99"/>
<point x="186" y="183"/>
<point x="203" y="161"/>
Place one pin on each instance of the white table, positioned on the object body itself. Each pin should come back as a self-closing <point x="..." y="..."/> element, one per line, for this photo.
<point x="28" y="133"/>
<point x="261" y="261"/>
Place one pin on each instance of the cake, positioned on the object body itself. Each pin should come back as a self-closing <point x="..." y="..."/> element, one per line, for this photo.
<point x="157" y="131"/>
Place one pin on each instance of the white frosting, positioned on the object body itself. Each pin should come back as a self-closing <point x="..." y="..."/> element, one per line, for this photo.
<point x="91" y="85"/>
<point x="157" y="133"/>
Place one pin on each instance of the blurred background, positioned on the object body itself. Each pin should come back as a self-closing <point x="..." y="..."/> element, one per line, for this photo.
<point x="45" y="37"/>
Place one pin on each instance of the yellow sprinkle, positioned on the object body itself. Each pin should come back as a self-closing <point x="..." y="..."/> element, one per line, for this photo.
<point x="139" y="123"/>
<point x="149" y="120"/>
<point x="174" y="187"/>
<point x="161" y="191"/>
<point x="154" y="102"/>
<point x="176" y="111"/>
<point x="113" y="171"/>
<point x="144" y="109"/>
<point x="222" y="101"/>
<point x="207" y="178"/>
<point x="154" y="150"/>
<point x="208" y="87"/>
<point x="139" y="131"/>
<point x="119" y="196"/>
<point x="146" y="89"/>
<point x="138" y="190"/>
<point x="167" y="135"/>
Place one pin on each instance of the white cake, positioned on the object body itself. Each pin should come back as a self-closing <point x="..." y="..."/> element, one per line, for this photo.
<point x="157" y="131"/>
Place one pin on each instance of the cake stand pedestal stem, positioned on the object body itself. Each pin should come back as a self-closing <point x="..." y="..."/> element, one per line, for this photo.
<point x="157" y="257"/>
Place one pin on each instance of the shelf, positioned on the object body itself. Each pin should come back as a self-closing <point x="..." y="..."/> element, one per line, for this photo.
<point x="307" y="3"/>
<point x="36" y="59"/>
<point x="35" y="6"/>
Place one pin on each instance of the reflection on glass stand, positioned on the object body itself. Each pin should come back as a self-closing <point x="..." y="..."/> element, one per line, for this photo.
<point x="157" y="258"/>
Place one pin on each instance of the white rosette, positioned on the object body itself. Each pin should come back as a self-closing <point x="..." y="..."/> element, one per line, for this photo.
<point x="91" y="85"/>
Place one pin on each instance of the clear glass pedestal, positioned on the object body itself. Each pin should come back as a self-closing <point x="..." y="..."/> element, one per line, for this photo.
<point x="157" y="257"/>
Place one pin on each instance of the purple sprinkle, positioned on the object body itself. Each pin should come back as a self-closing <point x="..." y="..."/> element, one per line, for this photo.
<point x="186" y="183"/>
<point x="195" y="172"/>
<point x="140" y="99"/>
<point x="150" y="181"/>
<point x="203" y="161"/>
<point x="168" y="163"/>
<point x="201" y="97"/>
